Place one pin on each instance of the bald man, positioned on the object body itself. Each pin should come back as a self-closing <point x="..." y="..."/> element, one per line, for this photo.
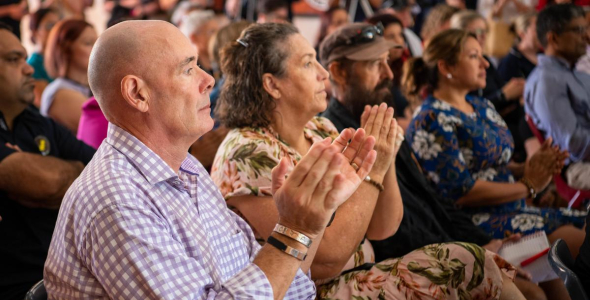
<point x="144" y="220"/>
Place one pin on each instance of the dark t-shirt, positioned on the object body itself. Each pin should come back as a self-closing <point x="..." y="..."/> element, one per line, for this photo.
<point x="428" y="217"/>
<point x="25" y="233"/>
<point x="15" y="24"/>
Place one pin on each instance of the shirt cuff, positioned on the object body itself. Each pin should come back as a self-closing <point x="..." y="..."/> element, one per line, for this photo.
<point x="249" y="283"/>
<point x="252" y="283"/>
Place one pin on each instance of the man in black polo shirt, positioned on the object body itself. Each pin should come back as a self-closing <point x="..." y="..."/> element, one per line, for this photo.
<point x="39" y="159"/>
<point x="356" y="58"/>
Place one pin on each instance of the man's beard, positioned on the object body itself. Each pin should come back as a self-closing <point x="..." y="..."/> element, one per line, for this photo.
<point x="356" y="97"/>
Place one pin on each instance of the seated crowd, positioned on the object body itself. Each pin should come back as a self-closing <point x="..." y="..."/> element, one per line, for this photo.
<point x="216" y="158"/>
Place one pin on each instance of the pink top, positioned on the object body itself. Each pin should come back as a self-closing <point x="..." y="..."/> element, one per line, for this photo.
<point x="93" y="125"/>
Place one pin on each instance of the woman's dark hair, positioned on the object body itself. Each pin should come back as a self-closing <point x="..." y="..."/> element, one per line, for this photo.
<point x="385" y="20"/>
<point x="325" y="21"/>
<point x="243" y="101"/>
<point x="36" y="19"/>
<point x="59" y="46"/>
<point x="555" y="18"/>
<point x="422" y="72"/>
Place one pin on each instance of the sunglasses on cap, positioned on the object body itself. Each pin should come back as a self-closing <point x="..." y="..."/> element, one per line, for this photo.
<point x="366" y="35"/>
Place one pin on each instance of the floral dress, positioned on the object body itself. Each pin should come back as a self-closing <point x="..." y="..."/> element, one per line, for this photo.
<point x="243" y="166"/>
<point x="457" y="149"/>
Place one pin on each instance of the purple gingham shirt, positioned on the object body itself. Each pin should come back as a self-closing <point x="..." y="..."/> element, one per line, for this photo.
<point x="131" y="228"/>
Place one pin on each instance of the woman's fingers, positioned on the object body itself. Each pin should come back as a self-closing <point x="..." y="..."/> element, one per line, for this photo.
<point x="355" y="144"/>
<point x="341" y="142"/>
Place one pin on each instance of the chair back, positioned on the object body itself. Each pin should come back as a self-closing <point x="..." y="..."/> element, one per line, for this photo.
<point x="562" y="262"/>
<point x="37" y="292"/>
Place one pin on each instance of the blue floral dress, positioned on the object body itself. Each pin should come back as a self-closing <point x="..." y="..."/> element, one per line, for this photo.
<point x="455" y="150"/>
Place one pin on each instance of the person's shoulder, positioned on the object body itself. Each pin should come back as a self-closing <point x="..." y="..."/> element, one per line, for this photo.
<point x="32" y="116"/>
<point x="107" y="177"/>
<point x="322" y="126"/>
<point x="508" y="62"/>
<point x="109" y="180"/>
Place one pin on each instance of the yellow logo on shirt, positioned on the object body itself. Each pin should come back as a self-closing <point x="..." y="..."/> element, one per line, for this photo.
<point x="43" y="144"/>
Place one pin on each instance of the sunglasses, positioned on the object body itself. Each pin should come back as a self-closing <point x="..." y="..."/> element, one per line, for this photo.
<point x="366" y="35"/>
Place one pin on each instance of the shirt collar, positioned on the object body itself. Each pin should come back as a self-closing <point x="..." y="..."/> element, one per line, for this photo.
<point x="342" y="114"/>
<point x="30" y="110"/>
<point x="153" y="168"/>
<point x="555" y="61"/>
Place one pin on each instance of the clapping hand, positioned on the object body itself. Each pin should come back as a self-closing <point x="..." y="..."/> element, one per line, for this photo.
<point x="546" y="162"/>
<point x="378" y="121"/>
<point x="323" y="180"/>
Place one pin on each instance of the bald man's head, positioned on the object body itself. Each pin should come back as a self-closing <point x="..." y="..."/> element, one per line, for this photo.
<point x="137" y="48"/>
<point x="145" y="77"/>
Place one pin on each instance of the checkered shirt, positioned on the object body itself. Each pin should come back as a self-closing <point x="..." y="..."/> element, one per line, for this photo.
<point x="131" y="228"/>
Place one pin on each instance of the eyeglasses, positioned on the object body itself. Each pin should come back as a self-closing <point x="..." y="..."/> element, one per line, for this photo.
<point x="366" y="35"/>
<point x="581" y="30"/>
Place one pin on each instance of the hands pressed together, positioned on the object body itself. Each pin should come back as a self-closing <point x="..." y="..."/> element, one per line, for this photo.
<point x="331" y="172"/>
<point x="379" y="123"/>
<point x="322" y="181"/>
<point x="546" y="162"/>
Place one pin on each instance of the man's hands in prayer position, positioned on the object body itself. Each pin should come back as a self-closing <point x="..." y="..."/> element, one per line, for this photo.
<point x="379" y="122"/>
<point x="321" y="181"/>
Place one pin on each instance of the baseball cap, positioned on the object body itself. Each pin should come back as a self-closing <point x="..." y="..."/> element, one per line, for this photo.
<point x="357" y="41"/>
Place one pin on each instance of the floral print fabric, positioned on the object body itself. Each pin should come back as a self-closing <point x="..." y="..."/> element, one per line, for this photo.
<point x="457" y="149"/>
<point x="454" y="271"/>
<point x="243" y="166"/>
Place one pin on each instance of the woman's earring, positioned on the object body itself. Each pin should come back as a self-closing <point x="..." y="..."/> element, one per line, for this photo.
<point x="449" y="76"/>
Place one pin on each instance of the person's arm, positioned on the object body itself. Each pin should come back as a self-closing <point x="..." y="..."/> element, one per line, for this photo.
<point x="66" y="108"/>
<point x="339" y="241"/>
<point x="551" y="106"/>
<point x="538" y="171"/>
<point x="389" y="210"/>
<point x="37" y="181"/>
<point x="262" y="215"/>
<point x="485" y="193"/>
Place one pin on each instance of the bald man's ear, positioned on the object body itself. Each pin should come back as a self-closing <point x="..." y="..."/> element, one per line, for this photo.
<point x="337" y="73"/>
<point x="135" y="92"/>
<point x="270" y="85"/>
